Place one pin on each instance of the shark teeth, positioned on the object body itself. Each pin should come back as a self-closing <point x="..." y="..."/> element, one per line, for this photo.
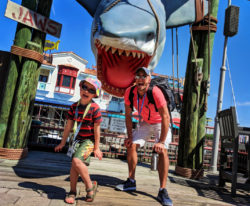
<point x="113" y="50"/>
<point x="107" y="48"/>
<point x="127" y="53"/>
<point x="134" y="54"/>
<point x="120" y="52"/>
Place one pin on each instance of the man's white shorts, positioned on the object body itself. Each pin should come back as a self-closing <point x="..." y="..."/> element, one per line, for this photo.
<point x="145" y="131"/>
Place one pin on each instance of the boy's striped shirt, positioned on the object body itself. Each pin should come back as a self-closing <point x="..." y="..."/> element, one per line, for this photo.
<point x="93" y="116"/>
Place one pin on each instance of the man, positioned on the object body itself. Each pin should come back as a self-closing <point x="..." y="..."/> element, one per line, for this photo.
<point x="150" y="123"/>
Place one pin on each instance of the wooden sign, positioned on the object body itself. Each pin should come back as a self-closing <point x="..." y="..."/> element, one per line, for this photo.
<point x="117" y="125"/>
<point x="30" y="18"/>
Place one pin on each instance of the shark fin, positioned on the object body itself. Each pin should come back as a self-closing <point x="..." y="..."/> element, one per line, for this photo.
<point x="182" y="12"/>
<point x="89" y="5"/>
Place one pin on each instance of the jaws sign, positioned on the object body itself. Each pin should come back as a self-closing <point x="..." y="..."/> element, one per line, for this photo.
<point x="32" y="19"/>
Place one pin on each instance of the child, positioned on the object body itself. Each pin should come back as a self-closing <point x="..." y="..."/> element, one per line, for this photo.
<point x="88" y="137"/>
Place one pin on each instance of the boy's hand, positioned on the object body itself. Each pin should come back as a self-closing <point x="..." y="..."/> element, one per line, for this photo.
<point x="128" y="142"/>
<point x="98" y="153"/>
<point x="59" y="147"/>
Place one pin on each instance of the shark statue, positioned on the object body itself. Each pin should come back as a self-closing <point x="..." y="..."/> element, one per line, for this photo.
<point x="127" y="34"/>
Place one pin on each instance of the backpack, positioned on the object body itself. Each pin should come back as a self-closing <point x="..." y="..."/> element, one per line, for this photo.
<point x="173" y="99"/>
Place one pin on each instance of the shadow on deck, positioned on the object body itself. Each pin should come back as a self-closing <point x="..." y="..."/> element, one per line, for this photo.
<point x="47" y="174"/>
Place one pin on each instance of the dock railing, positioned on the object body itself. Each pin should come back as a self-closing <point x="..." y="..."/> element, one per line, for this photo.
<point x="46" y="133"/>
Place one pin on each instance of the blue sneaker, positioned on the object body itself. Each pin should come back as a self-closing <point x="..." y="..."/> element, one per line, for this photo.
<point x="164" y="198"/>
<point x="127" y="185"/>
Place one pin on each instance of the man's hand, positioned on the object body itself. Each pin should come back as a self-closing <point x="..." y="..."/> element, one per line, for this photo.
<point x="128" y="142"/>
<point x="59" y="147"/>
<point x="159" y="148"/>
<point x="98" y="153"/>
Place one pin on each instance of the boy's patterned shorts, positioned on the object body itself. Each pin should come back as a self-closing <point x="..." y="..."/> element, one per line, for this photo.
<point x="83" y="151"/>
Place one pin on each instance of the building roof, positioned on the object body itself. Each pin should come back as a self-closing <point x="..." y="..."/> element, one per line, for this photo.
<point x="166" y="76"/>
<point x="68" y="65"/>
<point x="90" y="71"/>
<point x="70" y="52"/>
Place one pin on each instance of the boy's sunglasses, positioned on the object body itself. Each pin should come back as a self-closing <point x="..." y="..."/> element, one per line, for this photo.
<point x="91" y="91"/>
<point x="140" y="77"/>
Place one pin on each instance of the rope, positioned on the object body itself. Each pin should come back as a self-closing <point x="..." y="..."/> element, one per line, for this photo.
<point x="27" y="53"/>
<point x="209" y="21"/>
<point x="177" y="61"/>
<point x="184" y="172"/>
<point x="231" y="82"/>
<point x="173" y="55"/>
<point x="196" y="66"/>
<point x="209" y="56"/>
<point x="13" y="154"/>
<point x="189" y="173"/>
<point x="192" y="40"/>
<point x="157" y="29"/>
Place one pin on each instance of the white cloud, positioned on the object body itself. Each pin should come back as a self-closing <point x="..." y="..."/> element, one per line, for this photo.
<point x="243" y="103"/>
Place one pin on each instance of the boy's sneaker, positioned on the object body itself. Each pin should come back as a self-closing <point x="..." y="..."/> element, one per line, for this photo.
<point x="128" y="185"/>
<point x="164" y="198"/>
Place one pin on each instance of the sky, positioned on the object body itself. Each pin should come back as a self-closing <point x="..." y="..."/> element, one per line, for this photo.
<point x="75" y="37"/>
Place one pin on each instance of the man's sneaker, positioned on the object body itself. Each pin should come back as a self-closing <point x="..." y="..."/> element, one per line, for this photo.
<point x="128" y="185"/>
<point x="164" y="198"/>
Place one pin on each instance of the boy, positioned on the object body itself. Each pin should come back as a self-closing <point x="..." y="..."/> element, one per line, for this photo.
<point x="88" y="117"/>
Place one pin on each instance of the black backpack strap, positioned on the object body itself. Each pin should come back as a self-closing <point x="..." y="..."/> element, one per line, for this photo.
<point x="151" y="99"/>
<point x="131" y="98"/>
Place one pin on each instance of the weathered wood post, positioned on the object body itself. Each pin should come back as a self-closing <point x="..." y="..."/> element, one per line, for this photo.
<point x="206" y="52"/>
<point x="4" y="67"/>
<point x="39" y="38"/>
<point x="23" y="34"/>
<point x="187" y="166"/>
<point x="22" y="108"/>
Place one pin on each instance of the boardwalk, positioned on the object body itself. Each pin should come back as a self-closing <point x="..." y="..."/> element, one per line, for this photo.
<point x="42" y="179"/>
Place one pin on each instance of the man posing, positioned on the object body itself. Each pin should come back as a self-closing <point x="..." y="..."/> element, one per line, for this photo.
<point x="150" y="123"/>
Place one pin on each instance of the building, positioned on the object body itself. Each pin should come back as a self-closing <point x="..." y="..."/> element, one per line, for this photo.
<point x="60" y="75"/>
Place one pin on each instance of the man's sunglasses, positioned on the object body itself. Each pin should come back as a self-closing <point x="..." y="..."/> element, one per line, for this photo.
<point x="140" y="77"/>
<point x="91" y="91"/>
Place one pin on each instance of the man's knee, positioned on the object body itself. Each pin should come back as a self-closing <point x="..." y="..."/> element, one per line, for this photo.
<point x="164" y="153"/>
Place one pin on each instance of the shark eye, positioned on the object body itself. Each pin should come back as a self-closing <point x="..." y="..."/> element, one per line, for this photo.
<point x="150" y="36"/>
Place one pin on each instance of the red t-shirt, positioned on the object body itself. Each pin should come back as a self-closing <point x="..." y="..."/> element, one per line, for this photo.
<point x="147" y="108"/>
<point x="93" y="116"/>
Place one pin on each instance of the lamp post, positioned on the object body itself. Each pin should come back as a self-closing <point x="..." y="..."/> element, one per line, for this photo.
<point x="230" y="29"/>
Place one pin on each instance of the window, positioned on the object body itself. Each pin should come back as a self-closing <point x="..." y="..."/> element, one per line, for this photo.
<point x="66" y="79"/>
<point x="43" y="78"/>
<point x="73" y="82"/>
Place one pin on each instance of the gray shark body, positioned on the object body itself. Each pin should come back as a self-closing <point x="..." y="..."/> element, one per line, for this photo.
<point x="127" y="34"/>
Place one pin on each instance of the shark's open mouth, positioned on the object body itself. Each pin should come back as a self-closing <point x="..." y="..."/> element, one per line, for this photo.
<point x="116" y="67"/>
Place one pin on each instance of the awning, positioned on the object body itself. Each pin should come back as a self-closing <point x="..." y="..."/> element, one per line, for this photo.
<point x="52" y="102"/>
